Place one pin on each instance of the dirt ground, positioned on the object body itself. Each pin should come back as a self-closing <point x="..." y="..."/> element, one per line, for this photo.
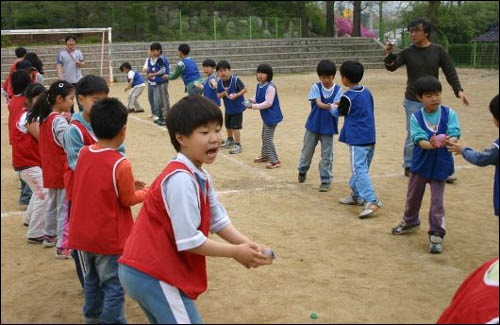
<point x="329" y="262"/>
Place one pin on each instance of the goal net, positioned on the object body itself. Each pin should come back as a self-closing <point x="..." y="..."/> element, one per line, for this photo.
<point x="94" y="43"/>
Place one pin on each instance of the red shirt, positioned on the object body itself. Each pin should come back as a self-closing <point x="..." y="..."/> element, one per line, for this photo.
<point x="52" y="154"/>
<point x="99" y="223"/>
<point x="24" y="146"/>
<point x="87" y="140"/>
<point x="151" y="246"/>
<point x="15" y="106"/>
<point x="476" y="301"/>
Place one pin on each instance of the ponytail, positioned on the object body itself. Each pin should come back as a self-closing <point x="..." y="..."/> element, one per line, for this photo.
<point x="43" y="107"/>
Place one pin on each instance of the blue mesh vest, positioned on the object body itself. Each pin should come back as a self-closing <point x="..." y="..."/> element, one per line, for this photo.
<point x="232" y="106"/>
<point x="359" y="123"/>
<point x="138" y="79"/>
<point x="272" y="115"/>
<point x="320" y="120"/>
<point x="435" y="163"/>
<point x="190" y="72"/>
<point x="153" y="68"/>
<point x="210" y="92"/>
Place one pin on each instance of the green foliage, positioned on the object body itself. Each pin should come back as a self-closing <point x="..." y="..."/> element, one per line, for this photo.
<point x="316" y="16"/>
<point x="456" y="24"/>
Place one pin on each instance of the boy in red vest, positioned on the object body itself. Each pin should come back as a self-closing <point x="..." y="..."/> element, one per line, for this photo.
<point x="101" y="219"/>
<point x="20" y="54"/>
<point x="163" y="265"/>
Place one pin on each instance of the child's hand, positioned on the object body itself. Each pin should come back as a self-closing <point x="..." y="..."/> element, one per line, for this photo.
<point x="438" y="141"/>
<point x="67" y="116"/>
<point x="231" y="96"/>
<point x="249" y="255"/>
<point x="455" y="147"/>
<point x="139" y="185"/>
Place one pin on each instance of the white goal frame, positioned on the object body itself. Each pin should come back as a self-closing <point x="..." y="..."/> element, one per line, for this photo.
<point x="74" y="30"/>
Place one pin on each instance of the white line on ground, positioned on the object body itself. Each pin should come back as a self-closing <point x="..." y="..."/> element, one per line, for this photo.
<point x="12" y="214"/>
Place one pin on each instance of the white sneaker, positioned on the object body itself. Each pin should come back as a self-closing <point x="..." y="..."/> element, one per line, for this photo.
<point x="369" y="209"/>
<point x="155" y="117"/>
<point x="350" y="200"/>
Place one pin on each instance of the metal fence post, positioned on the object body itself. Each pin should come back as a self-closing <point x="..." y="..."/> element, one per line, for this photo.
<point x="180" y="24"/>
<point x="250" y="26"/>
<point x="474" y="54"/>
<point x="276" y="23"/>
<point x="215" y="28"/>
<point x="300" y="27"/>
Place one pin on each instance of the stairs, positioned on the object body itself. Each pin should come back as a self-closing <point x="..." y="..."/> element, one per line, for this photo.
<point x="296" y="55"/>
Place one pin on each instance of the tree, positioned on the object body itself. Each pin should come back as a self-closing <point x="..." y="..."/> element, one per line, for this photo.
<point x="301" y="6"/>
<point x="356" y="19"/>
<point x="330" y="19"/>
<point x="433" y="8"/>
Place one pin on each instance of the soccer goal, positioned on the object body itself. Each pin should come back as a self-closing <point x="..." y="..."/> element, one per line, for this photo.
<point x="94" y="43"/>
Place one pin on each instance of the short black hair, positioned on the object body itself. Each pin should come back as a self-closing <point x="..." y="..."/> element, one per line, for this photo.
<point x="223" y="65"/>
<point x="208" y="63"/>
<point x="156" y="46"/>
<point x="190" y="113"/>
<point x="267" y="69"/>
<point x="19" y="80"/>
<point x="34" y="89"/>
<point x="426" y="26"/>
<point x="107" y="117"/>
<point x="184" y="48"/>
<point x="73" y="37"/>
<point x="35" y="61"/>
<point x="24" y="65"/>
<point x="91" y="85"/>
<point x="427" y="84"/>
<point x="352" y="70"/>
<point x="20" y="52"/>
<point x="494" y="107"/>
<point x="326" y="68"/>
<point x="125" y="65"/>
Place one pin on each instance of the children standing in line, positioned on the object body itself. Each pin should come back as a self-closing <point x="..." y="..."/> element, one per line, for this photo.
<point x="163" y="265"/>
<point x="321" y="125"/>
<point x="136" y="83"/>
<point x="158" y="70"/>
<point x="26" y="161"/>
<point x="20" y="54"/>
<point x="430" y="127"/>
<point x="231" y="89"/>
<point x="188" y="70"/>
<point x="358" y="133"/>
<point x="101" y="218"/>
<point x="484" y="158"/>
<point x="266" y="100"/>
<point x="49" y="110"/>
<point x="90" y="89"/>
<point x="210" y="84"/>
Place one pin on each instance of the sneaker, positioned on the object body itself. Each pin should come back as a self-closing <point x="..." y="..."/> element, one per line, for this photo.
<point x="155" y="118"/>
<point x="161" y="122"/>
<point x="325" y="187"/>
<point x="49" y="241"/>
<point x="37" y="240"/>
<point x="139" y="111"/>
<point x="350" y="200"/>
<point x="369" y="209"/>
<point x="236" y="149"/>
<point x="260" y="159"/>
<point x="404" y="228"/>
<point x="275" y="165"/>
<point x="451" y="179"/>
<point x="435" y="244"/>
<point x="302" y="177"/>
<point x="407" y="171"/>
<point x="26" y="224"/>
<point x="227" y="143"/>
<point x="63" y="253"/>
<point x="131" y="110"/>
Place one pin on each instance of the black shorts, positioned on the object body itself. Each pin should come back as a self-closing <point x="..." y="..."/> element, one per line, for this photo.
<point x="234" y="121"/>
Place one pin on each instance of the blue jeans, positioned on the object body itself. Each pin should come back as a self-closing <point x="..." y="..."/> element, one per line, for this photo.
<point x="26" y="193"/>
<point x="325" y="165"/>
<point x="410" y="108"/>
<point x="360" y="183"/>
<point x="161" y="302"/>
<point x="104" y="295"/>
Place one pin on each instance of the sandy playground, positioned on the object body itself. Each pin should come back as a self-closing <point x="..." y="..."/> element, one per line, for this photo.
<point x="329" y="262"/>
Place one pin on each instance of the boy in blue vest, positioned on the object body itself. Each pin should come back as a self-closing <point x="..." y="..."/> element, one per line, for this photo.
<point x="484" y="158"/>
<point x="321" y="125"/>
<point x="431" y="128"/>
<point x="358" y="133"/>
<point x="158" y="69"/>
<point x="188" y="70"/>
<point x="231" y="89"/>
<point x="209" y="86"/>
<point x="136" y="83"/>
